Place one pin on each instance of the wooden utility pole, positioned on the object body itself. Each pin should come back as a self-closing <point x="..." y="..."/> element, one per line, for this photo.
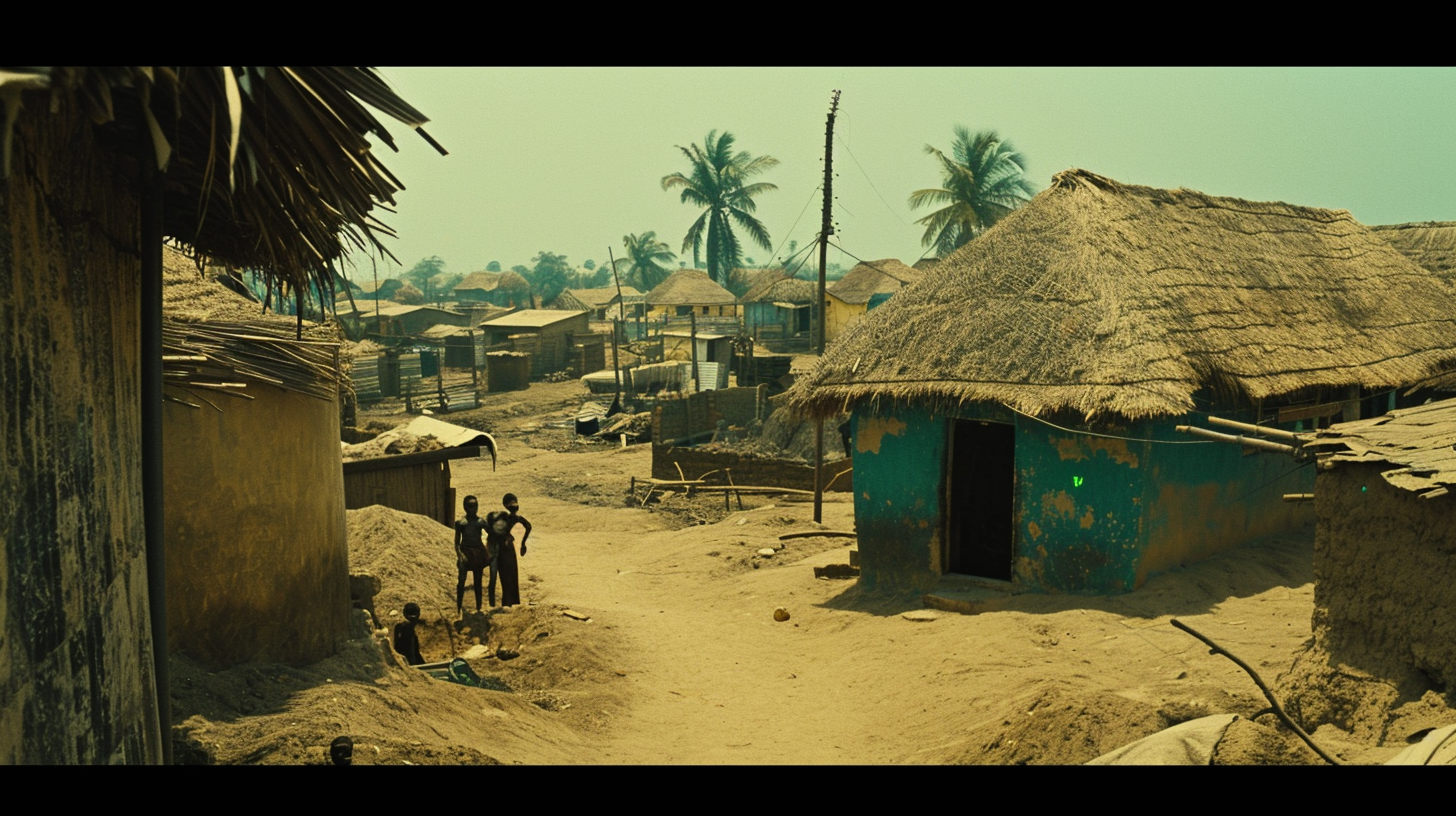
<point x="616" y="324"/>
<point x="826" y="229"/>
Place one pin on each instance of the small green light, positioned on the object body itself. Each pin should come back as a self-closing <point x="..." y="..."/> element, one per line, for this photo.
<point x="1076" y="481"/>
<point x="1363" y="488"/>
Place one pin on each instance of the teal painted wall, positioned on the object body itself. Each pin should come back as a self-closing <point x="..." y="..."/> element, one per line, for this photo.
<point x="1092" y="514"/>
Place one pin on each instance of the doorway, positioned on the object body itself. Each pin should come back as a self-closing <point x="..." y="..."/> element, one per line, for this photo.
<point x="980" y="498"/>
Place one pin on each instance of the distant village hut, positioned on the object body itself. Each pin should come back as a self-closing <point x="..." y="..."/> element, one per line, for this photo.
<point x="1013" y="412"/>
<point x="506" y="289"/>
<point x="779" y="308"/>
<point x="848" y="298"/>
<point x="546" y="334"/>
<point x="690" y="292"/>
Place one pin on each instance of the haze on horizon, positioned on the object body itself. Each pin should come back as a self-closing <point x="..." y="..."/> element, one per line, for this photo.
<point x="570" y="160"/>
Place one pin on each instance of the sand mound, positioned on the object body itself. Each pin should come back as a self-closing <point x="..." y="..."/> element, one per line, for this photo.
<point x="391" y="443"/>
<point x="1054" y="724"/>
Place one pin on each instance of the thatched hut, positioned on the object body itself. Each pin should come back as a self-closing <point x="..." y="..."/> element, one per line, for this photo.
<point x="690" y="291"/>
<point x="866" y="285"/>
<point x="601" y="302"/>
<point x="99" y="165"/>
<point x="779" y="307"/>
<point x="1014" y="411"/>
<point x="496" y="288"/>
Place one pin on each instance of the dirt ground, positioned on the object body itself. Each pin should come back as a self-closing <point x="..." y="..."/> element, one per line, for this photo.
<point x="680" y="659"/>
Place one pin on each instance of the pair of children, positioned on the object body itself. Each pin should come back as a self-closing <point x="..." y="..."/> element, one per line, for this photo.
<point x="496" y="550"/>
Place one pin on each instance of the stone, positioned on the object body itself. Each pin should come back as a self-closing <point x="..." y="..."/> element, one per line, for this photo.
<point x="767" y="552"/>
<point x="477" y="652"/>
<point x="920" y="616"/>
<point x="781" y="614"/>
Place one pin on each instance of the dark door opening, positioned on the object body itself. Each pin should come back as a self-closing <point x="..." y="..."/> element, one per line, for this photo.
<point x="980" y="493"/>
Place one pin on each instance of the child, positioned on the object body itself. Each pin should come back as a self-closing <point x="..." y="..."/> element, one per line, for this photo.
<point x="499" y="525"/>
<point x="406" y="640"/>
<point x="470" y="554"/>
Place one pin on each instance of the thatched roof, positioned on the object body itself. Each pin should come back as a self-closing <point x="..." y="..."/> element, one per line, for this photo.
<point x="264" y="167"/>
<point x="1413" y="446"/>
<point x="689" y="287"/>
<point x="1431" y="244"/>
<point x="482" y="281"/>
<point x="869" y="278"/>
<point x="782" y="290"/>
<point x="1108" y="298"/>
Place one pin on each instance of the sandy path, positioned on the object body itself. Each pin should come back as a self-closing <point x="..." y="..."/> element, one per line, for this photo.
<point x="712" y="678"/>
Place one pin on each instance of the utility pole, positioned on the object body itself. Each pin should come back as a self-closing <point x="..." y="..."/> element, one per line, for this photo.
<point x="826" y="229"/>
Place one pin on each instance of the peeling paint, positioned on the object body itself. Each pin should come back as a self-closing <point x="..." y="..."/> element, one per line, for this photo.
<point x="1059" y="502"/>
<point x="1087" y="519"/>
<point x="871" y="429"/>
<point x="1035" y="531"/>
<point x="1079" y="448"/>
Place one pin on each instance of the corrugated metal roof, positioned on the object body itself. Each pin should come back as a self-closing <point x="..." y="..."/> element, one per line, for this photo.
<point x="530" y="319"/>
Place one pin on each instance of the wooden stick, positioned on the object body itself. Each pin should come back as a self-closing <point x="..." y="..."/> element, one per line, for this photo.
<point x="1214" y="648"/>
<point x="812" y="533"/>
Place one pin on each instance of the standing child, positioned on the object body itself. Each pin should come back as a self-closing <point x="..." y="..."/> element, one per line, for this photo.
<point x="470" y="553"/>
<point x="499" y="527"/>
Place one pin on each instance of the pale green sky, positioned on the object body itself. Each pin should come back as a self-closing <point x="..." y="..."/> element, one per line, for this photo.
<point x="571" y="159"/>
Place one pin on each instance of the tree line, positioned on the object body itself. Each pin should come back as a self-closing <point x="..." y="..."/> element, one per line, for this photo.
<point x="982" y="181"/>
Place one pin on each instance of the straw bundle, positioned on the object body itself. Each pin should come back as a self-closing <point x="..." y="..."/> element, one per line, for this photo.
<point x="1105" y="298"/>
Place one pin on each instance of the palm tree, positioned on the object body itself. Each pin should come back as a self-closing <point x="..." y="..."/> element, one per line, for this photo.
<point x="984" y="183"/>
<point x="715" y="182"/>
<point x="643" y="254"/>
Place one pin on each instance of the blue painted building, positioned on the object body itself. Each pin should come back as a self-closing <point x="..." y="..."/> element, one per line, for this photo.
<point x="1013" y="412"/>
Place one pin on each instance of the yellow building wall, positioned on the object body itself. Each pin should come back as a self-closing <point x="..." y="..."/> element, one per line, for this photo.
<point x="257" y="548"/>
<point x="839" y="316"/>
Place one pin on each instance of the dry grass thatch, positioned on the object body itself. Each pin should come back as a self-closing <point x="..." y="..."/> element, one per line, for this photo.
<point x="1431" y="244"/>
<point x="265" y="167"/>
<point x="690" y="287"/>
<point x="481" y="281"/>
<point x="1112" y="299"/>
<point x="782" y="290"/>
<point x="869" y="278"/>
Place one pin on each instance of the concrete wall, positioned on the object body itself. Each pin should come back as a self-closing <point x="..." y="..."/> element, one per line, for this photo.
<point x="76" y="666"/>
<point x="257" y="549"/>
<point x="1091" y="515"/>
<point x="1385" y="576"/>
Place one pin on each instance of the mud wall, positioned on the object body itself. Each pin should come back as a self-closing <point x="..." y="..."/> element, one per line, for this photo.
<point x="1385" y="576"/>
<point x="76" y="669"/>
<point x="257" y="549"/>
<point x="747" y="470"/>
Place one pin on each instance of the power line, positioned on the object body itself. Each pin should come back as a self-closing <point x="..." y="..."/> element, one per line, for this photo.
<point x="845" y="145"/>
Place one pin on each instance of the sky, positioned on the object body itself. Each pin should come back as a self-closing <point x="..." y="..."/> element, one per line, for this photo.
<point x="570" y="160"/>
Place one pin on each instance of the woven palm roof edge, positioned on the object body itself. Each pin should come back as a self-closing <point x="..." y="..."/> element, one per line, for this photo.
<point x="1083" y="334"/>
<point x="287" y="193"/>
